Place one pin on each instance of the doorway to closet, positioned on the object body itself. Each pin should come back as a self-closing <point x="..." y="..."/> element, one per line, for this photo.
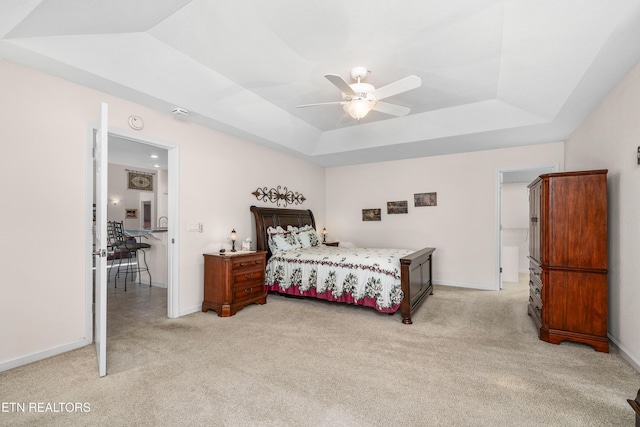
<point x="512" y="221"/>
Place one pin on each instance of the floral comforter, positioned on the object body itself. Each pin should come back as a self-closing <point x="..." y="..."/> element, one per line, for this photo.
<point x="369" y="277"/>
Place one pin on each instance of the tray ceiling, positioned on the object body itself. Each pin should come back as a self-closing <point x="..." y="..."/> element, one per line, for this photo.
<point x="494" y="73"/>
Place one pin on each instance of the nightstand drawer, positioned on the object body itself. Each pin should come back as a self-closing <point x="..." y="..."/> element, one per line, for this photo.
<point x="246" y="263"/>
<point x="242" y="278"/>
<point x="251" y="291"/>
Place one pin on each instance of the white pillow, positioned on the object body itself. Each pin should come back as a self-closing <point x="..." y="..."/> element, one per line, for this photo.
<point x="306" y="235"/>
<point x="308" y="238"/>
<point x="280" y="240"/>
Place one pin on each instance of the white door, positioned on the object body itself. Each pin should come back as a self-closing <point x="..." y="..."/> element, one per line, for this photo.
<point x="100" y="252"/>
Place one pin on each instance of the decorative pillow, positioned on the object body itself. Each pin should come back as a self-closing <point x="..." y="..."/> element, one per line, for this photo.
<point x="306" y="235"/>
<point x="308" y="238"/>
<point x="280" y="240"/>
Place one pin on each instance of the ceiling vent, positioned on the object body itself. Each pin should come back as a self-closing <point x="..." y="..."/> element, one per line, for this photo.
<point x="179" y="113"/>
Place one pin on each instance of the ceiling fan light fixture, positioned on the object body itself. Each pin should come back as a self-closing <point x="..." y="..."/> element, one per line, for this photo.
<point x="359" y="98"/>
<point x="359" y="108"/>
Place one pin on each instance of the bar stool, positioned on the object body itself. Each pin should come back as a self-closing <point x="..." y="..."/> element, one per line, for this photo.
<point x="116" y="250"/>
<point x="132" y="246"/>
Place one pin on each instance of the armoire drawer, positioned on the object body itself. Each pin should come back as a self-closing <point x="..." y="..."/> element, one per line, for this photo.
<point x="536" y="306"/>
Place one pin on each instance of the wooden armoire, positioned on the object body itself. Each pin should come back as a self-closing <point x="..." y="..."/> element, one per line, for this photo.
<point x="568" y="257"/>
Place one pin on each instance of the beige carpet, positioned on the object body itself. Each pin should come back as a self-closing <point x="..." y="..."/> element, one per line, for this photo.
<point x="470" y="358"/>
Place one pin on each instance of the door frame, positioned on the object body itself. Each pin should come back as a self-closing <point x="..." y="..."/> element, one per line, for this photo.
<point x="173" y="233"/>
<point x="544" y="168"/>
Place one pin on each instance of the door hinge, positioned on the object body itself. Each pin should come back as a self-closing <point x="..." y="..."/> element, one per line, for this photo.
<point x="500" y="269"/>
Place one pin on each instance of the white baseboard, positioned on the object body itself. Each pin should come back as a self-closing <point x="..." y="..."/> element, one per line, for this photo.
<point x="190" y="310"/>
<point x="633" y="360"/>
<point x="34" y="357"/>
<point x="466" y="285"/>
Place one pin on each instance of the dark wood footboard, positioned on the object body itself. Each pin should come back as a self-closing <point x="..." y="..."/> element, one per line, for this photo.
<point x="416" y="281"/>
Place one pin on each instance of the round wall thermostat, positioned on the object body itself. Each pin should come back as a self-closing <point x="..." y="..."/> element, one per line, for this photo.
<point x="136" y="122"/>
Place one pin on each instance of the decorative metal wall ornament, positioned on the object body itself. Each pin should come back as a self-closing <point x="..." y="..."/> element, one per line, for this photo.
<point x="279" y="195"/>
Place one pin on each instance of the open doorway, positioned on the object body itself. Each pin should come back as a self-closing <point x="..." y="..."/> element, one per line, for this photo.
<point x="169" y="218"/>
<point x="512" y="221"/>
<point x="132" y="157"/>
<point x="137" y="279"/>
<point x="97" y="244"/>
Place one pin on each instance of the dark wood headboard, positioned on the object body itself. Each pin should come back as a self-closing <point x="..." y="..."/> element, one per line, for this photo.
<point x="273" y="217"/>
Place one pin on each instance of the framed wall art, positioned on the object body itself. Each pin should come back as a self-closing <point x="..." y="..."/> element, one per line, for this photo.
<point x="371" y="215"/>
<point x="131" y="213"/>
<point x="425" y="199"/>
<point x="140" y="181"/>
<point x="397" y="207"/>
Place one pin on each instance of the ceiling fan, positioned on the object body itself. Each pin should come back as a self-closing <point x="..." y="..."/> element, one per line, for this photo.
<point x="360" y="98"/>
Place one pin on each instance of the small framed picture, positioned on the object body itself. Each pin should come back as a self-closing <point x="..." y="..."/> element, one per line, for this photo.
<point x="397" y="207"/>
<point x="425" y="199"/>
<point x="371" y="215"/>
<point x="131" y="213"/>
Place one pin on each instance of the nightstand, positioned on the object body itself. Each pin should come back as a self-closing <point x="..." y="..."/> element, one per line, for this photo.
<point x="233" y="281"/>
<point x="331" y="243"/>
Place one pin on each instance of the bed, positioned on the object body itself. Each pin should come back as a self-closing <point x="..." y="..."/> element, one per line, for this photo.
<point x="401" y="278"/>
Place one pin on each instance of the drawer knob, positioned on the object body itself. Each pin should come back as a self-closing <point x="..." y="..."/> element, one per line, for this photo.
<point x="242" y="264"/>
<point x="257" y="261"/>
<point x="248" y="276"/>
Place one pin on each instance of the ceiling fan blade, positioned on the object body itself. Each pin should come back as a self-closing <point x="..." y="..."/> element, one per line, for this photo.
<point x="397" y="87"/>
<point x="319" y="103"/>
<point x="340" y="84"/>
<point x="394" y="110"/>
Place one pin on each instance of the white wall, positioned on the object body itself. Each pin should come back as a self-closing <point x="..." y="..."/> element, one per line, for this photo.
<point x="609" y="139"/>
<point x="462" y="227"/>
<point x="130" y="199"/>
<point x="43" y="161"/>
<point x="162" y="197"/>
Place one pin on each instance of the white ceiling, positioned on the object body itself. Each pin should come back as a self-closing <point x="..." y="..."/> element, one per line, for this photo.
<point x="495" y="73"/>
<point x="135" y="154"/>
